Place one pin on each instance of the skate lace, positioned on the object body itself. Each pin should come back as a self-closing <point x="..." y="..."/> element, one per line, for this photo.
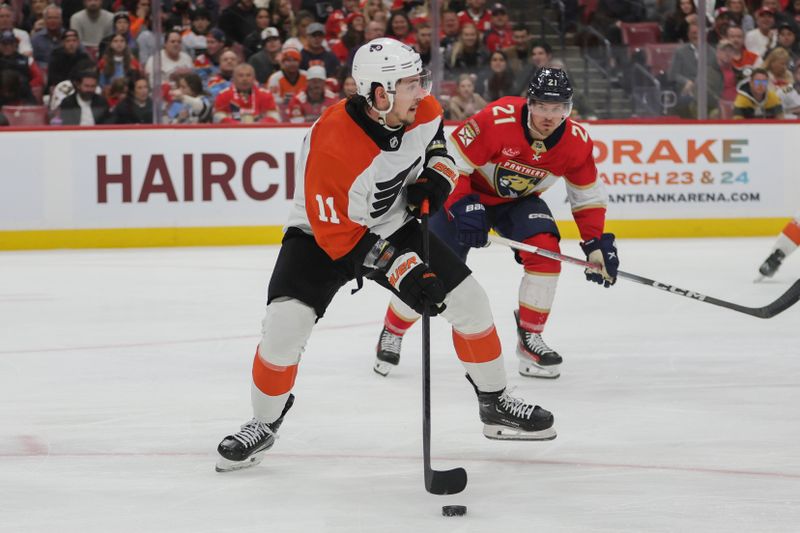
<point x="390" y="342"/>
<point x="535" y="343"/>
<point x="516" y="406"/>
<point x="253" y="431"/>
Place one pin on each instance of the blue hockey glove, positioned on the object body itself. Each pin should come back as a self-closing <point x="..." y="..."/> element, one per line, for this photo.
<point x="602" y="251"/>
<point x="472" y="224"/>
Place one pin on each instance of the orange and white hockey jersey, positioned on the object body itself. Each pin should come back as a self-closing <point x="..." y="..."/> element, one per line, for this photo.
<point x="353" y="172"/>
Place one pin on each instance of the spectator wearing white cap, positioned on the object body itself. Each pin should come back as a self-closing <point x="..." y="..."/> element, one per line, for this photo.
<point x="267" y="60"/>
<point x="309" y="104"/>
<point x="316" y="53"/>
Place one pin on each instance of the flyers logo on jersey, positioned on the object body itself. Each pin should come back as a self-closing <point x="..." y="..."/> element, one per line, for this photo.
<point x="514" y="180"/>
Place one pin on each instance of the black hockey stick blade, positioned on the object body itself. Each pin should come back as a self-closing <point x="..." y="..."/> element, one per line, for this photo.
<point x="784" y="301"/>
<point x="438" y="482"/>
<point x="445" y="481"/>
<point x="781" y="304"/>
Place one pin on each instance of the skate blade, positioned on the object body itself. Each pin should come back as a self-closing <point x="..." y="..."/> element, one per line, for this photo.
<point x="507" y="433"/>
<point x="226" y="465"/>
<point x="759" y="279"/>
<point x="382" y="367"/>
<point x="530" y="369"/>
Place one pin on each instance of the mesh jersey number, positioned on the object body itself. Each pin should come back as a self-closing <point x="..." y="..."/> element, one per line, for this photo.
<point x="333" y="219"/>
<point x="503" y="114"/>
<point x="577" y="131"/>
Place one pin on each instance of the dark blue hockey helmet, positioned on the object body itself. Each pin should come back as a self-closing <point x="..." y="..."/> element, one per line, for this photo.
<point x="550" y="84"/>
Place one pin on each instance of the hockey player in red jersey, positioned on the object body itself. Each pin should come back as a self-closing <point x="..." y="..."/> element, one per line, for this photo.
<point x="353" y="217"/>
<point x="509" y="153"/>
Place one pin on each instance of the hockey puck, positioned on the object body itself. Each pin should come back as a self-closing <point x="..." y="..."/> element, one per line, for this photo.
<point x="454" y="510"/>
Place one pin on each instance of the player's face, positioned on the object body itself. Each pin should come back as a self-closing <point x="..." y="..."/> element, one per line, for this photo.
<point x="545" y="117"/>
<point x="409" y="92"/>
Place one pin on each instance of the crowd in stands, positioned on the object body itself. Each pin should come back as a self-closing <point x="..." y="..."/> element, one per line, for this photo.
<point x="752" y="53"/>
<point x="94" y="61"/>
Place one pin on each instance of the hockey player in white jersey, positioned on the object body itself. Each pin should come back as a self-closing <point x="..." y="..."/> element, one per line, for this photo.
<point x="364" y="168"/>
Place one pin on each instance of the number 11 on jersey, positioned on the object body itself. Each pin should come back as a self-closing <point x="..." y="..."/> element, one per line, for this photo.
<point x="321" y="203"/>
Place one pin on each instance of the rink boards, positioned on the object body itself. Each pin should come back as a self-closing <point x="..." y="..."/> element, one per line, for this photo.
<point x="115" y="187"/>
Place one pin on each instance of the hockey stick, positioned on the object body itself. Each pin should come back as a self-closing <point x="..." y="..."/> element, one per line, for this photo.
<point x="784" y="301"/>
<point x="436" y="481"/>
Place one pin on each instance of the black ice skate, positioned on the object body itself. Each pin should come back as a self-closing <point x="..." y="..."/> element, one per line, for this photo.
<point x="536" y="359"/>
<point x="507" y="418"/>
<point x="387" y="352"/>
<point x="773" y="262"/>
<point x="248" y="446"/>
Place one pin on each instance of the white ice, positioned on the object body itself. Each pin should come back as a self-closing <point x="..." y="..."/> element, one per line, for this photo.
<point x="120" y="371"/>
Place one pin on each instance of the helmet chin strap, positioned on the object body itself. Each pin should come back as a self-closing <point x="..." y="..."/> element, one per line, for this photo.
<point x="382" y="114"/>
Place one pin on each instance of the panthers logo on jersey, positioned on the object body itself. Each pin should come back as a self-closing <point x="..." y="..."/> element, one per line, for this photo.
<point x="515" y="180"/>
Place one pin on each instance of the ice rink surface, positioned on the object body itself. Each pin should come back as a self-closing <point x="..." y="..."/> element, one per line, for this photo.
<point x="120" y="371"/>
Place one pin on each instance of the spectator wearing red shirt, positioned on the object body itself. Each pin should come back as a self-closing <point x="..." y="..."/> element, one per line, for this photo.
<point x="308" y="105"/>
<point x="244" y="101"/>
<point x="726" y="82"/>
<point x="352" y="38"/>
<point x="499" y="34"/>
<point x="477" y="15"/>
<point x="336" y="23"/>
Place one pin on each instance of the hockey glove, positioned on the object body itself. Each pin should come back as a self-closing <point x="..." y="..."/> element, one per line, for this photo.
<point x="435" y="183"/>
<point x="416" y="284"/>
<point x="602" y="251"/>
<point x="472" y="224"/>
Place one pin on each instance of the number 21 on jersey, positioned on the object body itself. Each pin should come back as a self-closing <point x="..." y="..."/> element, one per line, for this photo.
<point x="323" y="216"/>
<point x="503" y="114"/>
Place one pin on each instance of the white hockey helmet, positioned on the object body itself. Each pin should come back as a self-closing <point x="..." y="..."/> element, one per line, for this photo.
<point x="385" y="61"/>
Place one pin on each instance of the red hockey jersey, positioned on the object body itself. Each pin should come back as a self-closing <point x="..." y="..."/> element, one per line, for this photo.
<point x="500" y="162"/>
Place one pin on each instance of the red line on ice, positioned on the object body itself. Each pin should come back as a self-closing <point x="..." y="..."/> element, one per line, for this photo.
<point x="579" y="464"/>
